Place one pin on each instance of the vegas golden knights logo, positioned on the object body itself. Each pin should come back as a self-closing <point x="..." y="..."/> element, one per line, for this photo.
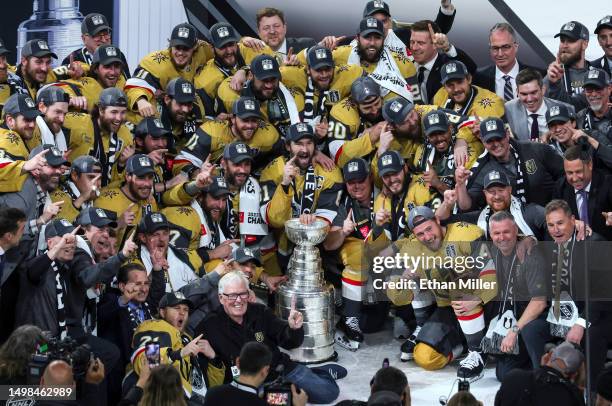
<point x="259" y="337"/>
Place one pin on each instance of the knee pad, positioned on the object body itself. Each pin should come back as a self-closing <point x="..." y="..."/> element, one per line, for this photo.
<point x="428" y="358"/>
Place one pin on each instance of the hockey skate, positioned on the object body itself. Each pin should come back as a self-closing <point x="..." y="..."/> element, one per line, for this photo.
<point x="407" y="348"/>
<point x="348" y="333"/>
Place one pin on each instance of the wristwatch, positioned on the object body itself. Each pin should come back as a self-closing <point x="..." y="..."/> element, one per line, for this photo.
<point x="515" y="329"/>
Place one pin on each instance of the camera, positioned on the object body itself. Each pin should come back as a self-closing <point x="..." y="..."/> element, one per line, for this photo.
<point x="66" y="349"/>
<point x="278" y="392"/>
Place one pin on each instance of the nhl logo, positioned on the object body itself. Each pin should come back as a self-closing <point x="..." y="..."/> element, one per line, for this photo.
<point x="604" y="20"/>
<point x="157" y="218"/>
<point x="593" y="74"/>
<point x="451" y="68"/>
<point x="379" y="3"/>
<point x="433" y="119"/>
<point x="491" y="125"/>
<point x="111" y="51"/>
<point x="158" y="123"/>
<point x="267" y="64"/>
<point x="494" y="175"/>
<point x="387" y="160"/>
<point x="569" y="26"/>
<point x="302" y="127"/>
<point x="554" y="111"/>
<point x="353" y="167"/>
<point x="372" y="23"/>
<point x="179" y="295"/>
<point x="183" y="32"/>
<point x="241" y="148"/>
<point x="249" y="105"/>
<point x="56" y="152"/>
<point x="320" y="53"/>
<point x="222" y="32"/>
<point x="186" y="88"/>
<point x="221" y="182"/>
<point x="101" y="213"/>
<point x="248" y="252"/>
<point x="30" y="102"/>
<point x="65" y="223"/>
<point x="42" y="45"/>
<point x="395" y="106"/>
<point x="144" y="161"/>
<point x="97" y="19"/>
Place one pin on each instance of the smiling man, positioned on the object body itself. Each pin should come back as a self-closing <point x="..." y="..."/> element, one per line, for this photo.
<point x="597" y="116"/>
<point x="604" y="37"/>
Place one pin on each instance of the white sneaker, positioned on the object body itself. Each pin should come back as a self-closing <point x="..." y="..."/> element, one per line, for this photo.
<point x="471" y="367"/>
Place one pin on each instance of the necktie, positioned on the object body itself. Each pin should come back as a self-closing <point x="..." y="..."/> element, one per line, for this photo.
<point x="584" y="206"/>
<point x="422" y="84"/>
<point x="535" y="129"/>
<point x="508" y="93"/>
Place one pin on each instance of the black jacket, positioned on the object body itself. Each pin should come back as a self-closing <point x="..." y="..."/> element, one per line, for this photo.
<point x="259" y="324"/>
<point x="299" y="44"/>
<point x="485" y="76"/>
<point x="233" y="394"/>
<point x="602" y="63"/>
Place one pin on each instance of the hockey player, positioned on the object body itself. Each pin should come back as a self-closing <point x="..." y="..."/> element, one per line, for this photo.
<point x="20" y="114"/>
<point x="53" y="105"/>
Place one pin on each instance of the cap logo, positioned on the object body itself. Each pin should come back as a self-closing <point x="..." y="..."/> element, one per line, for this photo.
<point x="30" y="103"/>
<point x="320" y="54"/>
<point x="97" y="19"/>
<point x="221" y="182"/>
<point x="491" y="125"/>
<point x="267" y="64"/>
<point x="387" y="160"/>
<point x="42" y="45"/>
<point x="55" y="151"/>
<point x="179" y="295"/>
<point x="249" y="105"/>
<point x="65" y="223"/>
<point x="101" y="213"/>
<point x="395" y="106"/>
<point x="451" y="67"/>
<point x="157" y="218"/>
<point x="554" y="111"/>
<point x="144" y="161"/>
<point x="186" y="88"/>
<point x="353" y="167"/>
<point x="111" y="51"/>
<point x="248" y="252"/>
<point x="433" y="119"/>
<point x="379" y="3"/>
<point x="301" y="127"/>
<point x="604" y="20"/>
<point x="569" y="26"/>
<point x="183" y="32"/>
<point x="222" y="32"/>
<point x="158" y="123"/>
<point x="241" y="148"/>
<point x="372" y="23"/>
<point x="593" y="74"/>
<point x="494" y="175"/>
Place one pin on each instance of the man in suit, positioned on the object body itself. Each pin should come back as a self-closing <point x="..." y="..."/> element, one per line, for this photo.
<point x="430" y="50"/>
<point x="604" y="37"/>
<point x="526" y="115"/>
<point x="501" y="76"/>
<point x="272" y="29"/>
<point x="587" y="191"/>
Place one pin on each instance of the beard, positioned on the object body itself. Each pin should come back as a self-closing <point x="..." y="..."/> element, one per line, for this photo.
<point x="570" y="59"/>
<point x="364" y="55"/>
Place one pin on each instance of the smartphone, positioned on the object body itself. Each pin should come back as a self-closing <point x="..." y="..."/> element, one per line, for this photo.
<point x="385" y="363"/>
<point x="152" y="353"/>
<point x="279" y="398"/>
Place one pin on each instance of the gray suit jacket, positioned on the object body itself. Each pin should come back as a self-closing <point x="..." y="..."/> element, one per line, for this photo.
<point x="516" y="114"/>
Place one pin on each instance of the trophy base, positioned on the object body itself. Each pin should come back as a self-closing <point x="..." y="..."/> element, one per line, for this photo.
<point x="331" y="358"/>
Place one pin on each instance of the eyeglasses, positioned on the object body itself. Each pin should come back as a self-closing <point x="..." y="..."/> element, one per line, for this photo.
<point x="503" y="48"/>
<point x="233" y="296"/>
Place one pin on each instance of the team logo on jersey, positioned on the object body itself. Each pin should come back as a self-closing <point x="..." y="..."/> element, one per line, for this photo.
<point x="451" y="68"/>
<point x="111" y="51"/>
<point x="186" y="87"/>
<point x="222" y="32"/>
<point x="321" y="53"/>
<point x="491" y="125"/>
<point x="101" y="213"/>
<point x="531" y="166"/>
<point x="334" y="96"/>
<point x="259" y="337"/>
<point x="593" y="74"/>
<point x="42" y="45"/>
<point x="433" y="119"/>
<point x="249" y="105"/>
<point x="554" y="111"/>
<point x="183" y="32"/>
<point x="371" y="23"/>
<point x="569" y="26"/>
<point x="387" y="160"/>
<point x="353" y="167"/>
<point x="30" y="102"/>
<point x="158" y="123"/>
<point x="395" y="106"/>
<point x="267" y="64"/>
<point x="451" y="251"/>
<point x="301" y="127"/>
<point x="144" y="161"/>
<point x="97" y="19"/>
<point x="157" y="218"/>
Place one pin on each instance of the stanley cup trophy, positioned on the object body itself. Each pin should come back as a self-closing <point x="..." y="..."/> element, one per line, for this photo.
<point x="313" y="297"/>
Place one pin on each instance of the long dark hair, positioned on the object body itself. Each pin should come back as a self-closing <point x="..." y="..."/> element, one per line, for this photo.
<point x="17" y="351"/>
<point x="164" y="388"/>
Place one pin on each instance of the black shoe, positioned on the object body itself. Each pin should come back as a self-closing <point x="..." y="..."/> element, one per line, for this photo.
<point x="472" y="366"/>
<point x="407" y="349"/>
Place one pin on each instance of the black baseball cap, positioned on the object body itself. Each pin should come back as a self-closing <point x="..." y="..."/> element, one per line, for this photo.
<point x="574" y="30"/>
<point x="298" y="131"/>
<point x="355" y="169"/>
<point x="419" y="215"/>
<point x="181" y="90"/>
<point x="111" y="96"/>
<point x="371" y="25"/>
<point x="363" y="88"/>
<point x="319" y="57"/>
<point x="490" y="128"/>
<point x="222" y="34"/>
<point x="139" y="165"/>
<point x="597" y="78"/>
<point x="495" y="178"/>
<point x="218" y="187"/>
<point x="559" y="112"/>
<point x="57" y="228"/>
<point x="453" y="70"/>
<point x="245" y="107"/>
<point x="390" y="162"/>
<point x="396" y="110"/>
<point x="3" y="49"/>
<point x="37" y="48"/>
<point x="172" y="299"/>
<point x="183" y="35"/>
<point x="21" y="104"/>
<point x="244" y="255"/>
<point x="86" y="164"/>
<point x="435" y="121"/>
<point x="52" y="94"/>
<point x="237" y="152"/>
<point x="265" y="67"/>
<point x="376" y="6"/>
<point x="151" y="126"/>
<point x="97" y="217"/>
<point x="605" y="22"/>
<point x="54" y="156"/>
<point x="153" y="221"/>
<point x="106" y="54"/>
<point x="94" y="23"/>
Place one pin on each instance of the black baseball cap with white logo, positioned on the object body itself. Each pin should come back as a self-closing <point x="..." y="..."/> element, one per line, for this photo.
<point x="319" y="57"/>
<point x="172" y="299"/>
<point x="218" y="187"/>
<point x="453" y="70"/>
<point x="151" y="126"/>
<point x="246" y="107"/>
<point x="153" y="221"/>
<point x="265" y="67"/>
<point x="435" y="121"/>
<point x="3" y="49"/>
<point x="390" y="162"/>
<point x="574" y="30"/>
<point x="222" y="34"/>
<point x="596" y="78"/>
<point x="94" y="23"/>
<point x="106" y="54"/>
<point x="139" y="165"/>
<point x="244" y="255"/>
<point x="298" y="131"/>
<point x="376" y="6"/>
<point x="355" y="169"/>
<point x="605" y="22"/>
<point x="559" y="113"/>
<point x="181" y="90"/>
<point x="58" y="228"/>
<point x="363" y="88"/>
<point x="97" y="217"/>
<point x="111" y="96"/>
<point x="86" y="164"/>
<point x="237" y="152"/>
<point x="371" y="25"/>
<point x="491" y="128"/>
<point x="21" y="104"/>
<point x="54" y="156"/>
<point x="50" y="94"/>
<point x="496" y="178"/>
<point x="37" y="48"/>
<point x="396" y="110"/>
<point x="183" y="35"/>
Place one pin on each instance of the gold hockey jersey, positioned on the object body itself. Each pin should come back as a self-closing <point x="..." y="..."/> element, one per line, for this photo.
<point x="88" y="87"/>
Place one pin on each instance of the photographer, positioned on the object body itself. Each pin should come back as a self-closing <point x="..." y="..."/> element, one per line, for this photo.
<point x="16" y="352"/>
<point x="386" y="379"/>
<point x="254" y="365"/>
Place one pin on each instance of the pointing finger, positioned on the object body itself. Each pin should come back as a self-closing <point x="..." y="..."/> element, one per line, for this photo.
<point x="58" y="203"/>
<point x="129" y="208"/>
<point x="131" y="237"/>
<point x="431" y="31"/>
<point x="349" y="215"/>
<point x="293" y="303"/>
<point x="76" y="230"/>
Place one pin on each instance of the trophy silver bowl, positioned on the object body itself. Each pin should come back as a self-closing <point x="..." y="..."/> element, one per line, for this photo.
<point x="314" y="298"/>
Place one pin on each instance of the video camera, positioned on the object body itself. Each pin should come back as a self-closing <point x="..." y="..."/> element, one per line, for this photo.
<point x="462" y="385"/>
<point x="278" y="392"/>
<point x="66" y="349"/>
